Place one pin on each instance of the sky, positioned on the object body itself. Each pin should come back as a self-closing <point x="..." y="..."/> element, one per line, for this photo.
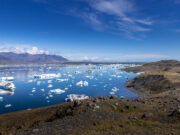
<point x="96" y="30"/>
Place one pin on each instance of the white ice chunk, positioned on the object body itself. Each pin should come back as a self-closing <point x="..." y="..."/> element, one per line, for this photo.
<point x="7" y="85"/>
<point x="50" y="86"/>
<point x="1" y="99"/>
<point x="49" y="81"/>
<point x="33" y="90"/>
<point x="81" y="83"/>
<point x="42" y="90"/>
<point x="7" y="78"/>
<point x="73" y="97"/>
<point x="50" y="96"/>
<point x="85" y="83"/>
<point x="30" y="81"/>
<point x="47" y="76"/>
<point x="6" y="92"/>
<point x="77" y="72"/>
<point x="115" y="89"/>
<point x="8" y="105"/>
<point x="38" y="82"/>
<point x="61" y="80"/>
<point x="57" y="91"/>
<point x="112" y="93"/>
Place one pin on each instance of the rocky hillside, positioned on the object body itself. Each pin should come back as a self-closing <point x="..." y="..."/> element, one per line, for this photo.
<point x="97" y="116"/>
<point x="158" y="77"/>
<point x="164" y="65"/>
<point x="29" y="58"/>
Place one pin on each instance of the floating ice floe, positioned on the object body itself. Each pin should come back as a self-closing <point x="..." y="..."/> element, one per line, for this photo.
<point x="112" y="93"/>
<point x="77" y="72"/>
<point x="50" y="86"/>
<point x="86" y="83"/>
<point x="1" y="99"/>
<point x="7" y="85"/>
<point x="38" y="82"/>
<point x="42" y="90"/>
<point x="90" y="77"/>
<point x="47" y="76"/>
<point x="49" y="81"/>
<point x="70" y="76"/>
<point x="30" y="81"/>
<point x="61" y="80"/>
<point x="57" y="91"/>
<point x="50" y="96"/>
<point x="115" y="89"/>
<point x="8" y="105"/>
<point x="81" y="83"/>
<point x="33" y="90"/>
<point x="7" y="78"/>
<point x="89" y="71"/>
<point x="73" y="97"/>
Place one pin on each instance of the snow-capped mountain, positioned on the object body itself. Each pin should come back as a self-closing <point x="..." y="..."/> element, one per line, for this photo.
<point x="27" y="54"/>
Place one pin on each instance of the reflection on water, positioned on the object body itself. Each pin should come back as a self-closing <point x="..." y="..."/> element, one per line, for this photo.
<point x="5" y="92"/>
<point x="90" y="80"/>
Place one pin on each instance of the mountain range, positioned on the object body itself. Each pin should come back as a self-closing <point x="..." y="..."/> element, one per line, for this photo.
<point x="10" y="57"/>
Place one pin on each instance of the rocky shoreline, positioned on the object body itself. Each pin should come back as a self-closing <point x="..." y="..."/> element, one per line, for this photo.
<point x="157" y="111"/>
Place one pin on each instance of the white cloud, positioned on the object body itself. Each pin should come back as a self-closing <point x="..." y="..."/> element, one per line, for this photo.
<point x="22" y="49"/>
<point x="77" y="57"/>
<point x="121" y="18"/>
<point x="177" y="30"/>
<point x="114" y="16"/>
<point x="113" y="7"/>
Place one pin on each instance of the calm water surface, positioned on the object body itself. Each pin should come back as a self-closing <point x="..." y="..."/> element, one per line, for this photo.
<point x="103" y="80"/>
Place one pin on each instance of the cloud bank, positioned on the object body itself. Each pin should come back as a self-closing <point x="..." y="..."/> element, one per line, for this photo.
<point x="23" y="49"/>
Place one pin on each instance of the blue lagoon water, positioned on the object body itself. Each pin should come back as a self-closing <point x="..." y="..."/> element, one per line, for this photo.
<point x="30" y="92"/>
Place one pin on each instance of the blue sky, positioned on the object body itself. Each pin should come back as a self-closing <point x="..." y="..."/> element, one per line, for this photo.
<point x="99" y="30"/>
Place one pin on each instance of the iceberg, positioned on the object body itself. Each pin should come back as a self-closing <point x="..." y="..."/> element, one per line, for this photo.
<point x="7" y="78"/>
<point x="73" y="97"/>
<point x="33" y="90"/>
<point x="112" y="93"/>
<point x="42" y="90"/>
<point x="7" y="85"/>
<point x="47" y="76"/>
<point x="8" y="105"/>
<point x="1" y="99"/>
<point x="50" y="86"/>
<point x="77" y="72"/>
<point x="38" y="82"/>
<point x="115" y="89"/>
<point x="61" y="80"/>
<point x="81" y="83"/>
<point x="85" y="83"/>
<point x="49" y="81"/>
<point x="57" y="91"/>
